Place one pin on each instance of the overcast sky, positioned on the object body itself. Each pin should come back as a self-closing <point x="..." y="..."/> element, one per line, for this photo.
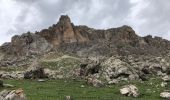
<point x="144" y="16"/>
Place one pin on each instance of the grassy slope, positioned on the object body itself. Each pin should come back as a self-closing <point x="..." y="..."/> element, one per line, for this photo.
<point x="58" y="89"/>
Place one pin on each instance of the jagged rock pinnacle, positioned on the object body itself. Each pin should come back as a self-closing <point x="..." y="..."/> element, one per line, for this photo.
<point x="64" y="19"/>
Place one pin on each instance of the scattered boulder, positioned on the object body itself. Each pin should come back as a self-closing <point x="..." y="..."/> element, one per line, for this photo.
<point x="166" y="78"/>
<point x="130" y="90"/>
<point x="12" y="95"/>
<point x="35" y="71"/>
<point x="165" y="95"/>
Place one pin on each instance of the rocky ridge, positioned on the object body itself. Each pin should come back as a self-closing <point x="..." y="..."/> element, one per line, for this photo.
<point x="108" y="55"/>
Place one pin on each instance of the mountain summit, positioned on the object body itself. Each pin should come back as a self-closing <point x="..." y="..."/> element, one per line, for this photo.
<point x="84" y="41"/>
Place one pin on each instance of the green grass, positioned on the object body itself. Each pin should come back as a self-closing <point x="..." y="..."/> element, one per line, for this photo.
<point x="58" y="89"/>
<point x="66" y="62"/>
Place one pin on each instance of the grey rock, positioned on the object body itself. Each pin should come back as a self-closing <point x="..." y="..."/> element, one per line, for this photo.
<point x="130" y="90"/>
<point x="165" y="95"/>
<point x="35" y="71"/>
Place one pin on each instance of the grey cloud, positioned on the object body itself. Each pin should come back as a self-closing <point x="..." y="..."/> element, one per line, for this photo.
<point x="93" y="12"/>
<point x="157" y="18"/>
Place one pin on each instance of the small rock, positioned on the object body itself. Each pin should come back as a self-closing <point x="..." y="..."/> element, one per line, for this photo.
<point x="41" y="80"/>
<point x="82" y="86"/>
<point x="130" y="90"/>
<point x="8" y="85"/>
<point x="165" y="95"/>
<point x="68" y="97"/>
<point x="163" y="84"/>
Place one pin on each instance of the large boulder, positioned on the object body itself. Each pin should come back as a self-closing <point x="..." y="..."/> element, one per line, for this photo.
<point x="12" y="95"/>
<point x="35" y="71"/>
<point x="130" y="90"/>
<point x="165" y="95"/>
<point x="115" y="68"/>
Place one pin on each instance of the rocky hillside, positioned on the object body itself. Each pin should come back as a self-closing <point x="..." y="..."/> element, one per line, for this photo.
<point x="80" y="51"/>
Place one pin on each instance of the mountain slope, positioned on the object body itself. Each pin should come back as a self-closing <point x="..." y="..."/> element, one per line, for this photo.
<point x="84" y="41"/>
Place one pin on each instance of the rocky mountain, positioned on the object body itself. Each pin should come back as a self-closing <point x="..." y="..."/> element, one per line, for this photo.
<point x="84" y="41"/>
<point x="67" y="50"/>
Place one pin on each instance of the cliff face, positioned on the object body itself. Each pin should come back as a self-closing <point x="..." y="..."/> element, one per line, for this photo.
<point x="85" y="41"/>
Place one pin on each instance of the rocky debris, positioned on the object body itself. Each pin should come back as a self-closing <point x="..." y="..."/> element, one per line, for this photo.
<point x="165" y="95"/>
<point x="12" y="75"/>
<point x="35" y="71"/>
<point x="94" y="82"/>
<point x="166" y="78"/>
<point x="114" y="81"/>
<point x="1" y="83"/>
<point x="12" y="95"/>
<point x="130" y="90"/>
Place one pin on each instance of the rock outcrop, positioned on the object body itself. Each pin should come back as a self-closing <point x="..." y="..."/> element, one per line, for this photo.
<point x="115" y="54"/>
<point x="85" y="41"/>
<point x="35" y="71"/>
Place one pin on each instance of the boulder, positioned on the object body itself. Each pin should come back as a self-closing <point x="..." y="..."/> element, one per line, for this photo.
<point x="166" y="78"/>
<point x="12" y="95"/>
<point x="130" y="90"/>
<point x="35" y="71"/>
<point x="165" y="95"/>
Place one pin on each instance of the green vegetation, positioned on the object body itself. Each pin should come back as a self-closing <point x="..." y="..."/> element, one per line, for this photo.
<point x="66" y="62"/>
<point x="58" y="89"/>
